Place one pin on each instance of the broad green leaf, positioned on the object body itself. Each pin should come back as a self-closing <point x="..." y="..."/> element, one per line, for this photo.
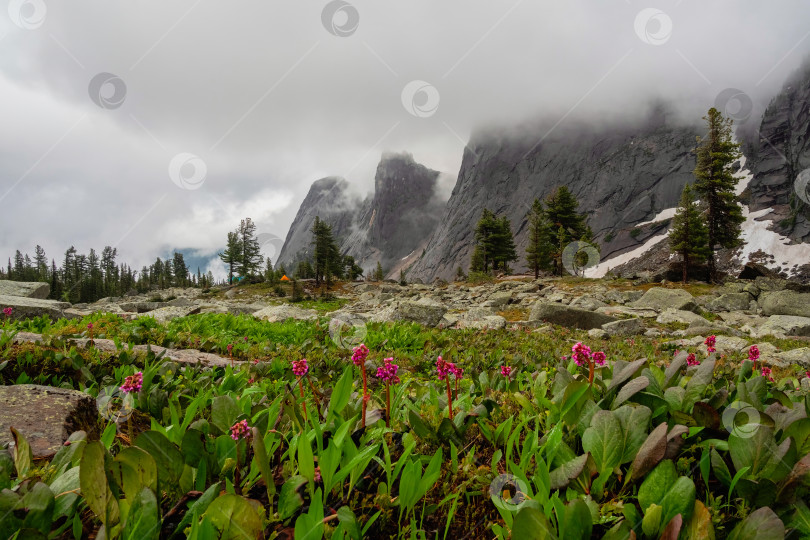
<point x="762" y="524"/>
<point x="94" y="485"/>
<point x="263" y="464"/>
<point x="674" y="395"/>
<point x="630" y="389"/>
<point x="342" y="392"/>
<point x="603" y="440"/>
<point x="562" y="475"/>
<point x="753" y="450"/>
<point x="663" y="487"/>
<point x="623" y="371"/>
<point x="167" y="457"/>
<point x="652" y="520"/>
<point x="419" y="426"/>
<point x="224" y="412"/>
<point x="39" y="505"/>
<point x="698" y="383"/>
<point x="576" y="522"/>
<point x="65" y="490"/>
<point x="22" y="454"/>
<point x="720" y="468"/>
<point x="651" y="452"/>
<point x="306" y="463"/>
<point x="634" y="420"/>
<point x="289" y="500"/>
<point x="134" y="469"/>
<point x="531" y="524"/>
<point x="194" y="447"/>
<point x="801" y="519"/>
<point x="143" y="519"/>
<point x="309" y="526"/>
<point x="235" y="517"/>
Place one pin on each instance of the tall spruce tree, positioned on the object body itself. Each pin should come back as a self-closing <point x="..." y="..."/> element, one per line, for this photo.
<point x="327" y="261"/>
<point x="232" y="253"/>
<point x="250" y="259"/>
<point x="567" y="224"/>
<point x="715" y="182"/>
<point x="504" y="244"/>
<point x="538" y="252"/>
<point x="689" y="236"/>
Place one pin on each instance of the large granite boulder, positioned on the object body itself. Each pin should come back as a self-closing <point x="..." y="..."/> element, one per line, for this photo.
<point x="736" y="301"/>
<point x="785" y="303"/>
<point x="785" y="325"/>
<point x="142" y="307"/>
<point x="571" y="317"/>
<point x="660" y="299"/>
<point x="166" y="314"/>
<point x="679" y="316"/>
<point x="284" y="312"/>
<point x="45" y="416"/>
<point x="624" y="327"/>
<point x="424" y="311"/>
<point x="480" y="318"/>
<point x="26" y="308"/>
<point x="27" y="289"/>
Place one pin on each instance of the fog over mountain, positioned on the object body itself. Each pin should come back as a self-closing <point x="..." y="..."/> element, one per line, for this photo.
<point x="211" y="112"/>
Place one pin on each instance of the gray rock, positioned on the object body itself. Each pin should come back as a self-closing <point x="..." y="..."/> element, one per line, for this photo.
<point x="142" y="307"/>
<point x="785" y="303"/>
<point x="499" y="299"/>
<point x="25" y="308"/>
<point x="568" y="316"/>
<point x="27" y="289"/>
<point x="730" y="344"/>
<point x="736" y="301"/>
<point x="660" y="299"/>
<point x="679" y="316"/>
<point x="785" y="325"/>
<point x="425" y="312"/>
<point x="587" y="302"/>
<point x="45" y="416"/>
<point x="625" y="310"/>
<point x="796" y="356"/>
<point x="480" y="318"/>
<point x="624" y="327"/>
<point x="166" y="314"/>
<point x="284" y="312"/>
<point x="597" y="333"/>
<point x="181" y="302"/>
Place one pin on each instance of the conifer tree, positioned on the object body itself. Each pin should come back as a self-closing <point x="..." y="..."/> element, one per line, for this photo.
<point x="714" y="183"/>
<point x="231" y="254"/>
<point x="538" y="252"/>
<point x="250" y="257"/>
<point x="689" y="236"/>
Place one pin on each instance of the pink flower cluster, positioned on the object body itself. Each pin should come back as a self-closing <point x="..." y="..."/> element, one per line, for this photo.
<point x="388" y="371"/>
<point x="240" y="430"/>
<point x="359" y="354"/>
<point x="692" y="360"/>
<point x="766" y="372"/>
<point x="89" y="326"/>
<point x="753" y="353"/>
<point x="444" y="368"/>
<point x="7" y="311"/>
<point x="133" y="383"/>
<point x="709" y="342"/>
<point x="506" y="371"/>
<point x="581" y="355"/>
<point x="300" y="367"/>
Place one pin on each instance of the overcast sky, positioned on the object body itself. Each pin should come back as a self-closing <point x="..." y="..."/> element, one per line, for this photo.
<point x="152" y="126"/>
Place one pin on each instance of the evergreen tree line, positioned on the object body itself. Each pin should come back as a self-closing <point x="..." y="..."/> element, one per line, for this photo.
<point x="326" y="264"/>
<point x="89" y="277"/>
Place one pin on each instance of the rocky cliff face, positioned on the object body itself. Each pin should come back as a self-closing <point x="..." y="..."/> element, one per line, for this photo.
<point x="328" y="198"/>
<point x="778" y="153"/>
<point x="623" y="175"/>
<point x="387" y="226"/>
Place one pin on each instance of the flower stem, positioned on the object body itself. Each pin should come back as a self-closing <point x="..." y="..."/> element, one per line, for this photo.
<point x="590" y="372"/>
<point x="387" y="405"/>
<point x="449" y="397"/>
<point x="365" y="393"/>
<point x="303" y="402"/>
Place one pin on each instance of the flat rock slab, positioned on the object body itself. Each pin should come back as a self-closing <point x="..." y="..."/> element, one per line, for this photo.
<point x="26" y="308"/>
<point x="27" y="289"/>
<point x="785" y="303"/>
<point x="183" y="356"/>
<point x="785" y="325"/>
<point x="659" y="299"/>
<point x="45" y="416"/>
<point x="285" y="311"/>
<point x="568" y="316"/>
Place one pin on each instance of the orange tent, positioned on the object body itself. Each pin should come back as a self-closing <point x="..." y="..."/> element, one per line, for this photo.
<point x="285" y="278"/>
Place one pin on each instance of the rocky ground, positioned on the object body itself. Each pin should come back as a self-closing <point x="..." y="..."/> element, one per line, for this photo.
<point x="740" y="312"/>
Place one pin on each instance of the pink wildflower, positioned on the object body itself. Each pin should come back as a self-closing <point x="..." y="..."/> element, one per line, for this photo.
<point x="7" y="311"/>
<point x="388" y="371"/>
<point x="709" y="342"/>
<point x="300" y="367"/>
<point x="506" y="371"/>
<point x="443" y="368"/>
<point x="89" y="326"/>
<point x="360" y="354"/>
<point x="230" y="347"/>
<point x="599" y="358"/>
<point x="692" y="360"/>
<point x="753" y="353"/>
<point x="240" y="430"/>
<point x="581" y="354"/>
<point x="766" y="372"/>
<point x="246" y="339"/>
<point x="133" y="383"/>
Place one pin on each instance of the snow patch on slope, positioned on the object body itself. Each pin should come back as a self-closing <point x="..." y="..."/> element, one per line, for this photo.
<point x="755" y="234"/>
